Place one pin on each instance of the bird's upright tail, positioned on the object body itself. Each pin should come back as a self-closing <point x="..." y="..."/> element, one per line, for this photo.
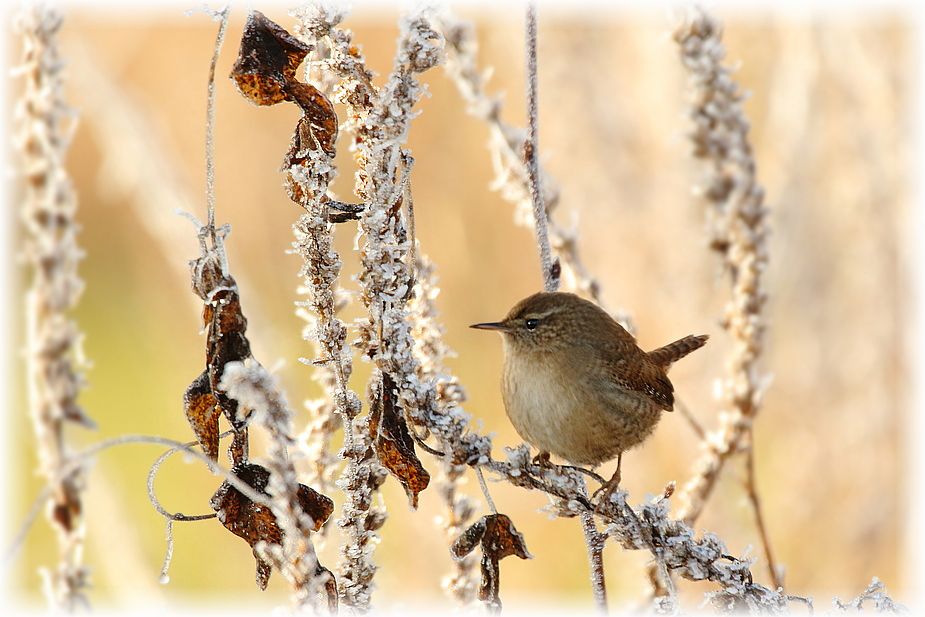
<point x="672" y="352"/>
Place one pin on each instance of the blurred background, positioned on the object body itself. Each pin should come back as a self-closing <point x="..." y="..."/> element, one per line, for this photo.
<point x="832" y="119"/>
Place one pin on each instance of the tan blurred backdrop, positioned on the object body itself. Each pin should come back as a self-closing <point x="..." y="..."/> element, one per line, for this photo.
<point x="831" y="121"/>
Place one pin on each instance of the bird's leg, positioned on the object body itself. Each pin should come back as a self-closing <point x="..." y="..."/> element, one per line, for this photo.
<point x="613" y="483"/>
<point x="542" y="459"/>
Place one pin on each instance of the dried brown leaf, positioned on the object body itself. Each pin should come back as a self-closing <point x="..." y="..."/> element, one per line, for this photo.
<point x="393" y="442"/>
<point x="202" y="412"/>
<point x="469" y="539"/>
<point x="318" y="124"/>
<point x="255" y="522"/>
<point x="318" y="506"/>
<point x="498" y="538"/>
<point x="226" y="342"/>
<point x="238" y="450"/>
<point x="267" y="60"/>
<point x="265" y="73"/>
<point x="330" y="587"/>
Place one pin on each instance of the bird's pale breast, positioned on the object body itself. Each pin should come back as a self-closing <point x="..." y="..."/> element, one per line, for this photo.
<point x="570" y="413"/>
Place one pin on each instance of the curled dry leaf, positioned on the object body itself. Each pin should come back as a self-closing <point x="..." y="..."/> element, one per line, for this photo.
<point x="255" y="522"/>
<point x="265" y="73"/>
<point x="330" y="587"/>
<point x="393" y="442"/>
<point x="226" y="342"/>
<point x="267" y="60"/>
<point x="238" y="451"/>
<point x="202" y="412"/>
<point x="498" y="538"/>
<point x="317" y="126"/>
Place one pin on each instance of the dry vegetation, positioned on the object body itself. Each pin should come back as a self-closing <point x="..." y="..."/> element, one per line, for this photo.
<point x="280" y="494"/>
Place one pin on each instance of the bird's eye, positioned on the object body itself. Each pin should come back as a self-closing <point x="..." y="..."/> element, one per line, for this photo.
<point x="532" y="324"/>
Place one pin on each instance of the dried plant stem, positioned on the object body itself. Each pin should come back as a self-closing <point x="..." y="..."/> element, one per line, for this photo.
<point x="431" y="352"/>
<point x="44" y="126"/>
<point x="222" y="16"/>
<point x="511" y="166"/>
<point x="751" y="489"/>
<point x="531" y="155"/>
<point x="255" y="389"/>
<point x="361" y="476"/>
<point x="594" y="540"/>
<point x="738" y="230"/>
<point x="380" y="117"/>
<point x="320" y="271"/>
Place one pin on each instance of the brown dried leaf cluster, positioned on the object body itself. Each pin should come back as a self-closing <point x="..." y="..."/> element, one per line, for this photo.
<point x="309" y="167"/>
<point x="226" y="341"/>
<point x="265" y="73"/>
<point x="496" y="535"/>
<point x="254" y="522"/>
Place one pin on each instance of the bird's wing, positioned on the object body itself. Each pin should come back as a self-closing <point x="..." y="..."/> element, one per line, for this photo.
<point x="624" y="365"/>
<point x="647" y="378"/>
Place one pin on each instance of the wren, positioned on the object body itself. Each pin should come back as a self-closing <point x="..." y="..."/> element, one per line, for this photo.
<point x="575" y="382"/>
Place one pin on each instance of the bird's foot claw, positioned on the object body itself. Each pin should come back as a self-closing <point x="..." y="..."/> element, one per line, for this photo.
<point x="607" y="488"/>
<point x="542" y="459"/>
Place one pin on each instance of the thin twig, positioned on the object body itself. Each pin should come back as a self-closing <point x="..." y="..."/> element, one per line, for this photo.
<point x="751" y="488"/>
<point x="171" y="516"/>
<point x="593" y="540"/>
<point x="531" y="155"/>
<point x="510" y="165"/>
<point x="484" y="486"/>
<point x="79" y="459"/>
<point x="692" y="420"/>
<point x="222" y="16"/>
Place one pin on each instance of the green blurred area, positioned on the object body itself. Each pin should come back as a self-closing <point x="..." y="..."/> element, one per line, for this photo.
<point x="830" y="109"/>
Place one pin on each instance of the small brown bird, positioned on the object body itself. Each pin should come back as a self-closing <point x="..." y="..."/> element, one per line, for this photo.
<point x="576" y="384"/>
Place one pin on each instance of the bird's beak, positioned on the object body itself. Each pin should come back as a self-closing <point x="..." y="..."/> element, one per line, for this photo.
<point x="492" y="325"/>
